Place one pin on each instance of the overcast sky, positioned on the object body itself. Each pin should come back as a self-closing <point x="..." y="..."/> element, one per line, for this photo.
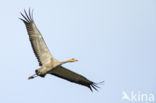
<point x="114" y="41"/>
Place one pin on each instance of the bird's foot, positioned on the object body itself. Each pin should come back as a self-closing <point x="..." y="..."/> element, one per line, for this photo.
<point x="32" y="77"/>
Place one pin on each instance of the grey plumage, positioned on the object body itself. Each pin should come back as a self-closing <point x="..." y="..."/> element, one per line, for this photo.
<point x="48" y="64"/>
<point x="37" y="42"/>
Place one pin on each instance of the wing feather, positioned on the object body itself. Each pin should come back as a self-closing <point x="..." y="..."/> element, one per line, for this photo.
<point x="71" y="76"/>
<point x="37" y="42"/>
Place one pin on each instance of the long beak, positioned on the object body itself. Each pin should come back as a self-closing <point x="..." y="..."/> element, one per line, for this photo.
<point x="32" y="77"/>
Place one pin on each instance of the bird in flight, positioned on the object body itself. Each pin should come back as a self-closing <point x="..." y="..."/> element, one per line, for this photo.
<point x="48" y="64"/>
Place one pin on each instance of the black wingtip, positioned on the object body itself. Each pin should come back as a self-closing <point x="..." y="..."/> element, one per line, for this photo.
<point x="90" y="88"/>
<point x="94" y="86"/>
<point x="27" y="16"/>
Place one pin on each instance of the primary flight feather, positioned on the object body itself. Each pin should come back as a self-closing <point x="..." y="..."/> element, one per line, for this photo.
<point x="48" y="64"/>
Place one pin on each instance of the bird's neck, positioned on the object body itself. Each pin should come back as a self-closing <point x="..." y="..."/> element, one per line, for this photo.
<point x="67" y="61"/>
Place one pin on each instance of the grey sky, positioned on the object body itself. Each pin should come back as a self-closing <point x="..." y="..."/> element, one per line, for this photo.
<point x="114" y="41"/>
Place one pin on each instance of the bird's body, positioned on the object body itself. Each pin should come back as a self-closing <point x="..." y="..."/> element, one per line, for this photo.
<point x="48" y="64"/>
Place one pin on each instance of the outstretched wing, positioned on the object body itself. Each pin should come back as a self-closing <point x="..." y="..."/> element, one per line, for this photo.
<point x="37" y="42"/>
<point x="73" y="77"/>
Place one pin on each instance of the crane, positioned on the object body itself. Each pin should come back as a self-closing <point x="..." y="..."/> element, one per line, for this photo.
<point x="48" y="64"/>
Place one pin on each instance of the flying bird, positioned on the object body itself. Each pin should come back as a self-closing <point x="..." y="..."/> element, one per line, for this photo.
<point x="48" y="64"/>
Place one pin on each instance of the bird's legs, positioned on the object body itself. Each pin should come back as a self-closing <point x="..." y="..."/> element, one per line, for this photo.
<point x="33" y="76"/>
<point x="70" y="60"/>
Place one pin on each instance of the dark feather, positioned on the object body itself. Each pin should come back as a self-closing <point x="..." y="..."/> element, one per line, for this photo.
<point x="73" y="77"/>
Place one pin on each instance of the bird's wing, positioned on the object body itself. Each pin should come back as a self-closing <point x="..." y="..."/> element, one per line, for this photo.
<point x="37" y="42"/>
<point x="73" y="77"/>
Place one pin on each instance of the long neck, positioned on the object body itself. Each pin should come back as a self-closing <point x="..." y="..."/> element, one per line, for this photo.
<point x="65" y="62"/>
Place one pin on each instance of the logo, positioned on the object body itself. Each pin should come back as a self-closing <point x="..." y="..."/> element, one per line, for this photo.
<point x="137" y="97"/>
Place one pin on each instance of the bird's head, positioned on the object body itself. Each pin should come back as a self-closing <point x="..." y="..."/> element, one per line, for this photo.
<point x="72" y="60"/>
